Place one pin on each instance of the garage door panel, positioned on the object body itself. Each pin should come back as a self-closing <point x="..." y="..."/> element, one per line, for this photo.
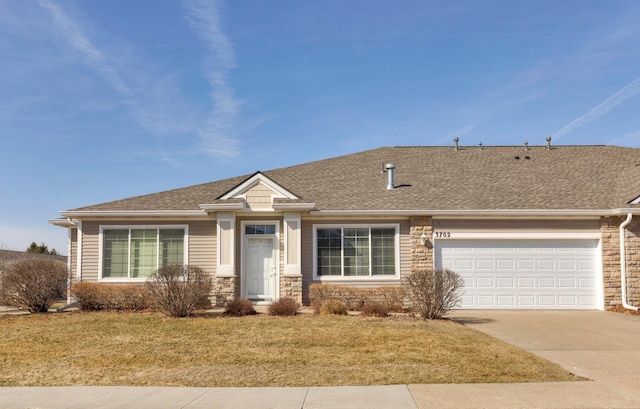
<point x="523" y="273"/>
<point x="546" y="264"/>
<point x="505" y="282"/>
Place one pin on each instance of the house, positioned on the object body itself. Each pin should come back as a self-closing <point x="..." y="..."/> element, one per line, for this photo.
<point x="8" y="256"/>
<point x="526" y="226"/>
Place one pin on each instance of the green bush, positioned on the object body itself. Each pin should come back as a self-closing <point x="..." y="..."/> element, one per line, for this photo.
<point x="333" y="307"/>
<point x="239" y="307"/>
<point x="178" y="290"/>
<point x="101" y="296"/>
<point x="33" y="284"/>
<point x="433" y="292"/>
<point x="284" y="307"/>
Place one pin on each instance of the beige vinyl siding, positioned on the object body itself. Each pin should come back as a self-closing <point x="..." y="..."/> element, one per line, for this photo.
<point x="201" y="246"/>
<point x="259" y="197"/>
<point x="90" y="250"/>
<point x="73" y="253"/>
<point x="498" y="226"/>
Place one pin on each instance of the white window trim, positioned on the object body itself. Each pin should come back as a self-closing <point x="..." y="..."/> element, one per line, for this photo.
<point x="137" y="226"/>
<point x="381" y="277"/>
<point x="276" y="257"/>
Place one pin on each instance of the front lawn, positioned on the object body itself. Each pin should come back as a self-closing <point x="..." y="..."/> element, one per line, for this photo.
<point x="109" y="348"/>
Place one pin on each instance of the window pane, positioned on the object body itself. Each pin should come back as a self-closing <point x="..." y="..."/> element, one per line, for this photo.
<point x="260" y="229"/>
<point x="144" y="247"/>
<point x="329" y="248"/>
<point x="172" y="247"/>
<point x="115" y="255"/>
<point x="356" y="252"/>
<point x="383" y="251"/>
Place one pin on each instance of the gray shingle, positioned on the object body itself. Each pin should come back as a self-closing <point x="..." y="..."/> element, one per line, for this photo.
<point x="440" y="178"/>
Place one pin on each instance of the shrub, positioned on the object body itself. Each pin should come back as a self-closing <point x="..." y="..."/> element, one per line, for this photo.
<point x="178" y="290"/>
<point x="284" y="307"/>
<point x="100" y="296"/>
<point x="333" y="307"/>
<point x="239" y="307"/>
<point x="433" y="292"/>
<point x="392" y="297"/>
<point x="375" y="309"/>
<point x="33" y="284"/>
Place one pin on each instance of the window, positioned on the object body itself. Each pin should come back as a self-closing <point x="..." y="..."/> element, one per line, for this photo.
<point x="135" y="253"/>
<point x="356" y="251"/>
<point x="260" y="229"/>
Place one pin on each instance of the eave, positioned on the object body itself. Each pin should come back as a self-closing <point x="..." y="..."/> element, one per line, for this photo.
<point x="482" y="212"/>
<point x="132" y="213"/>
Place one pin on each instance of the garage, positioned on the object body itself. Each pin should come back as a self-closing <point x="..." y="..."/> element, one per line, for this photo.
<point x="523" y="274"/>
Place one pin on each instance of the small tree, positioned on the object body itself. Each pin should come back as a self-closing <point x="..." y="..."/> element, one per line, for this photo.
<point x="33" y="284"/>
<point x="41" y="249"/>
<point x="179" y="290"/>
<point x="433" y="292"/>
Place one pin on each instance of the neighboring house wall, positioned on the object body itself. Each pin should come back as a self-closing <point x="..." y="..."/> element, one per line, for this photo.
<point x="7" y="256"/>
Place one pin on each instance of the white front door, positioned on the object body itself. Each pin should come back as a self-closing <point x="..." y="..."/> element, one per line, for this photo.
<point x="260" y="269"/>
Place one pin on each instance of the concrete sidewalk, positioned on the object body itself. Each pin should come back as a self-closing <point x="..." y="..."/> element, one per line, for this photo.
<point x="513" y="396"/>
<point x="598" y="345"/>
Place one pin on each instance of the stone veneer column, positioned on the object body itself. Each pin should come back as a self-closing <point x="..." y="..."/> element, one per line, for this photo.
<point x="224" y="290"/>
<point x="610" y="260"/>
<point x="610" y="228"/>
<point x="291" y="287"/>
<point x="421" y="256"/>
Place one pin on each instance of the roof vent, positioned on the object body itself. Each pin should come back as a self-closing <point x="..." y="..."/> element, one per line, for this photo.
<point x="548" y="142"/>
<point x="526" y="145"/>
<point x="390" y="169"/>
<point x="455" y="140"/>
<point x="480" y="144"/>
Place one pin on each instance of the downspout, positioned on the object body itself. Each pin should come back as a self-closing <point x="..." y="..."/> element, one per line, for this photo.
<point x="623" y="264"/>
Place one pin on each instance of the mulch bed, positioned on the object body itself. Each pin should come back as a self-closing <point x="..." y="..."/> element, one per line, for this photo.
<point x="622" y="310"/>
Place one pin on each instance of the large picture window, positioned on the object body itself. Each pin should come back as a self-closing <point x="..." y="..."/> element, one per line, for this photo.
<point x="356" y="251"/>
<point x="135" y="253"/>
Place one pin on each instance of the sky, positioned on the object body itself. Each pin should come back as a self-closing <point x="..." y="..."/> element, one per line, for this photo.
<point x="103" y="100"/>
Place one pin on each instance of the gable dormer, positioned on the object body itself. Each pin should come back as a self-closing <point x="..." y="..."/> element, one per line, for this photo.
<point x="258" y="193"/>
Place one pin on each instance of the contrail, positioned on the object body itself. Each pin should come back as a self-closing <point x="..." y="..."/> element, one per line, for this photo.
<point x="76" y="38"/>
<point x="607" y="105"/>
<point x="204" y="18"/>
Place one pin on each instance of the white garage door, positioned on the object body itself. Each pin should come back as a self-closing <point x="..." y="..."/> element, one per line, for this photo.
<point x="523" y="273"/>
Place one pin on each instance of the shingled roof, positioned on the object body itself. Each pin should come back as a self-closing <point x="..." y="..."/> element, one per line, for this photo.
<point x="439" y="178"/>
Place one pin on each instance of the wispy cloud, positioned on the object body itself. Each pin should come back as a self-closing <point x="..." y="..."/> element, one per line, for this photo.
<point x="75" y="37"/>
<point x="603" y="108"/>
<point x="217" y="132"/>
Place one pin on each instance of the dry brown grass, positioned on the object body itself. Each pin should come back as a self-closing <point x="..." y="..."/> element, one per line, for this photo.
<point x="107" y="348"/>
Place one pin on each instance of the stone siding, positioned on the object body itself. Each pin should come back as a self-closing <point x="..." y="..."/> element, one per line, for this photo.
<point x="224" y="290"/>
<point x="421" y="256"/>
<point x="291" y="287"/>
<point x="609" y="228"/>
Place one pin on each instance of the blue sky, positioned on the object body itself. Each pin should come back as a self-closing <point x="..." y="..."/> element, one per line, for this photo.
<point x="102" y="100"/>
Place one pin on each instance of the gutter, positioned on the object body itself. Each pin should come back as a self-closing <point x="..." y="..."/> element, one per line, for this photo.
<point x="475" y="213"/>
<point x="623" y="264"/>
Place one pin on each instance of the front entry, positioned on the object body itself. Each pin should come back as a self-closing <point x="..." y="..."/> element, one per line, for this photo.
<point x="260" y="269"/>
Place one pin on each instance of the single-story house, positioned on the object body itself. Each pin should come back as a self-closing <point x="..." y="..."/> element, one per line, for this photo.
<point x="527" y="227"/>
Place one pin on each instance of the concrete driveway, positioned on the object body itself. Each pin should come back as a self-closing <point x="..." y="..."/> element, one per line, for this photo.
<point x="598" y="345"/>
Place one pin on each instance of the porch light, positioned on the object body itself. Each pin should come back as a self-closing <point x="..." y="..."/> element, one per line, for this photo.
<point x="423" y="239"/>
